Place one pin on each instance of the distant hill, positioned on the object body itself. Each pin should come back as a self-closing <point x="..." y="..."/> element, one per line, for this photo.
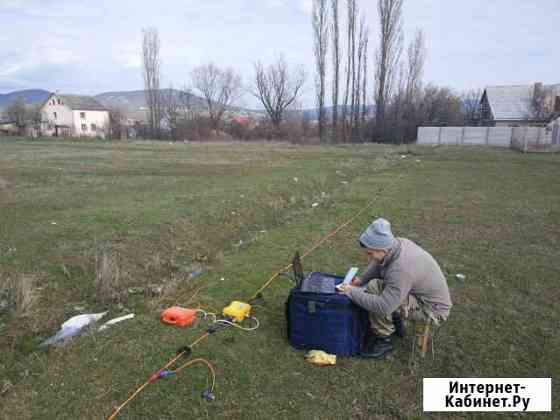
<point x="136" y="99"/>
<point x="133" y="103"/>
<point x="30" y="97"/>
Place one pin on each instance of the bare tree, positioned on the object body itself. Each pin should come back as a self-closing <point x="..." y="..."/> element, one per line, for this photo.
<point x="364" y="79"/>
<point x="471" y="105"/>
<point x="388" y="55"/>
<point x="35" y="117"/>
<point x="362" y="45"/>
<point x="151" y="65"/>
<point x="350" y="24"/>
<point x="171" y="110"/>
<point x="440" y="106"/>
<point x="116" y="129"/>
<point x="187" y="104"/>
<point x="320" y="47"/>
<point x="220" y="88"/>
<point x="396" y="106"/>
<point x="350" y="51"/>
<point x="336" y="64"/>
<point x="542" y="105"/>
<point x="17" y="113"/>
<point x="277" y="88"/>
<point x="353" y="64"/>
<point x="416" y="57"/>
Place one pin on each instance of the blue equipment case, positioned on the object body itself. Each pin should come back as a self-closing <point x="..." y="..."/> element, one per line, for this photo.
<point x="325" y="321"/>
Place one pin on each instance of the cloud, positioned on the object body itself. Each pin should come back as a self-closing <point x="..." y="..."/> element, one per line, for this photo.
<point x="276" y="3"/>
<point x="9" y="69"/>
<point x="52" y="8"/>
<point x="128" y="56"/>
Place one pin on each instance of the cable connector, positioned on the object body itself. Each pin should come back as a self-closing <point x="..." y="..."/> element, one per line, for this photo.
<point x="218" y="326"/>
<point x="208" y="395"/>
<point x="155" y="376"/>
<point x="257" y="300"/>
<point x="166" y="373"/>
<point x="185" y="350"/>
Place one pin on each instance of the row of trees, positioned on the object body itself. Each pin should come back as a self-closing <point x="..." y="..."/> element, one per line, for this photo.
<point x="276" y="86"/>
<point x="348" y="85"/>
<point x="401" y="100"/>
<point x="397" y="83"/>
<point x="341" y="46"/>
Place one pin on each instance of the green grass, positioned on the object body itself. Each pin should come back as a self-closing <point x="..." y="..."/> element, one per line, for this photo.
<point x="490" y="214"/>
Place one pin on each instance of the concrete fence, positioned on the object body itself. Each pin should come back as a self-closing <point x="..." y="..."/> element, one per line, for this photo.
<point x="521" y="138"/>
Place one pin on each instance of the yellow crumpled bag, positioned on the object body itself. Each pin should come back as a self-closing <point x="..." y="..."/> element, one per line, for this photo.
<point x="319" y="357"/>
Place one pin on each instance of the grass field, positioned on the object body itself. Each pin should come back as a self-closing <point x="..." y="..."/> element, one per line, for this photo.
<point x="238" y="212"/>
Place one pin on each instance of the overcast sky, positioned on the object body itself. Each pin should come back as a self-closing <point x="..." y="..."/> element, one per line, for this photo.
<point x="91" y="47"/>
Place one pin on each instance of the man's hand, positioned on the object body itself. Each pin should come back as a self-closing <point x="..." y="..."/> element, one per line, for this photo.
<point x="356" y="281"/>
<point x="344" y="288"/>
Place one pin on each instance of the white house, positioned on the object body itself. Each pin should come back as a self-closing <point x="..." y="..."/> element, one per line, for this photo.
<point x="74" y="115"/>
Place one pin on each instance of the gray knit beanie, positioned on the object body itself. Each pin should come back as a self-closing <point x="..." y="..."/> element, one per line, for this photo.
<point x="378" y="235"/>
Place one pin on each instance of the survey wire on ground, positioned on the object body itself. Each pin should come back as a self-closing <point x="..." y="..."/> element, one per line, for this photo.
<point x="181" y="353"/>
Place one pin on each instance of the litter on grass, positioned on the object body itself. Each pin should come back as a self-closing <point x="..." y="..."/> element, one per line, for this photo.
<point x="72" y="327"/>
<point x="115" y="321"/>
<point x="319" y="357"/>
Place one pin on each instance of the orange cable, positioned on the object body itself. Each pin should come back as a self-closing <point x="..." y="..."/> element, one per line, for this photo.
<point x="141" y="387"/>
<point x="263" y="287"/>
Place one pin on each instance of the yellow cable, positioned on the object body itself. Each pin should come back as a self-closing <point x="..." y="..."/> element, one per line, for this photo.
<point x="312" y="248"/>
<point x="200" y="360"/>
<point x="141" y="387"/>
<point x="263" y="287"/>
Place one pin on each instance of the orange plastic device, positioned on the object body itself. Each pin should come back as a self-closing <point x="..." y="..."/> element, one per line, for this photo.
<point x="182" y="317"/>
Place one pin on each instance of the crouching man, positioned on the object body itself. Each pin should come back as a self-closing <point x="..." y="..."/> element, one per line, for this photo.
<point x="401" y="279"/>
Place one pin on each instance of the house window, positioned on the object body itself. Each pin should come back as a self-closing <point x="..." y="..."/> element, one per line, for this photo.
<point x="59" y="102"/>
<point x="83" y="115"/>
<point x="557" y="104"/>
<point x="93" y="127"/>
<point x="54" y="114"/>
<point x="84" y="127"/>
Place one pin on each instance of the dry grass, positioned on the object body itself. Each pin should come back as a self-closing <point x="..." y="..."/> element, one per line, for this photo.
<point x="107" y="273"/>
<point x="17" y="292"/>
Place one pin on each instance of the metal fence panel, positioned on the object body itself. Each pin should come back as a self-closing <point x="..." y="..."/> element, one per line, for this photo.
<point x="428" y="135"/>
<point x="500" y="136"/>
<point x="451" y="135"/>
<point x="520" y="138"/>
<point x="475" y="135"/>
<point x="494" y="136"/>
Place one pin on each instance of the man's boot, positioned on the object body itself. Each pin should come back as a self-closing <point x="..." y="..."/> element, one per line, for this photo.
<point x="369" y="343"/>
<point x="400" y="329"/>
<point x="378" y="347"/>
